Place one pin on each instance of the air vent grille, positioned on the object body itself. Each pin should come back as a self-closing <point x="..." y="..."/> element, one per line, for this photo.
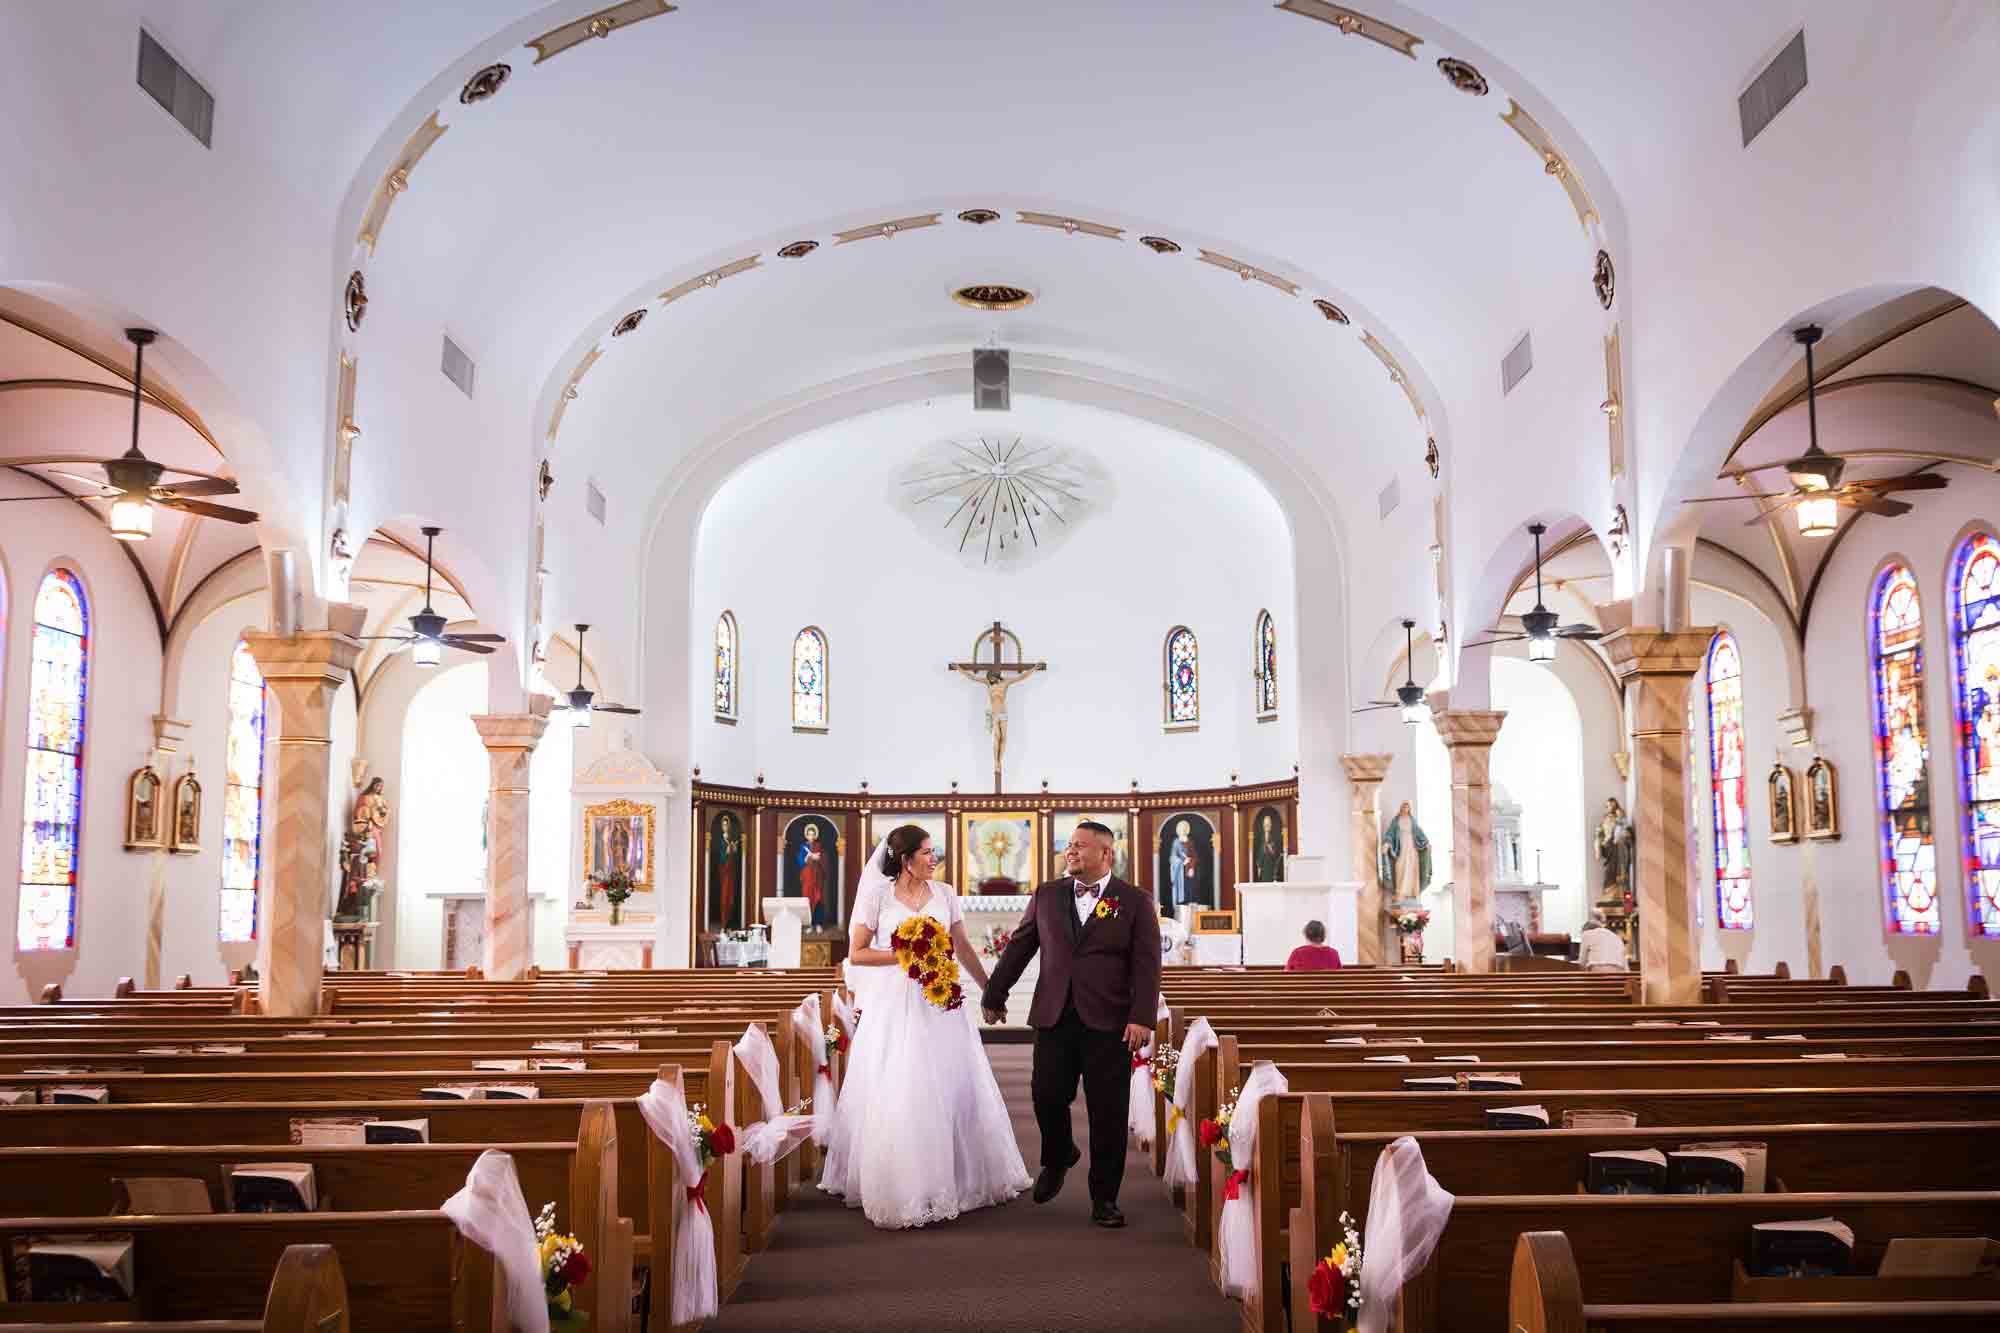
<point x="1772" y="91"/>
<point x="458" y="367"/>
<point x="593" y="499"/>
<point x="175" y="89"/>
<point x="1392" y="495"/>
<point x="1519" y="361"/>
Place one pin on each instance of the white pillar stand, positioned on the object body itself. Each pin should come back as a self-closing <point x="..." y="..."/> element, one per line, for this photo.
<point x="787" y="918"/>
<point x="1274" y="916"/>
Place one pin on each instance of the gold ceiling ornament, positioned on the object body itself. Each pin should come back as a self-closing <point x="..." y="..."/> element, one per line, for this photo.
<point x="1356" y="24"/>
<point x="396" y="180"/>
<point x="1396" y="374"/>
<point x="601" y="24"/>
<point x="1604" y="278"/>
<point x="979" y="217"/>
<point x="1247" y="272"/>
<point x="1614" y="405"/>
<point x="1160" y="245"/>
<point x="713" y="278"/>
<point x="1463" y="76"/>
<point x="1072" y="225"/>
<point x="347" y="433"/>
<point x="993" y="296"/>
<point x="1333" y="313"/>
<point x="1553" y="161"/>
<point x="1619" y="534"/>
<point x="632" y="320"/>
<point x="885" y="229"/>
<point x="797" y="249"/>
<point x="484" y="84"/>
<point x="569" y="390"/>
<point x="354" y="301"/>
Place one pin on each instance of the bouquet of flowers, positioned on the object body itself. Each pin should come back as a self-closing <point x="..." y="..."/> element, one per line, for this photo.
<point x="1214" y="1133"/>
<point x="564" y="1267"/>
<point x="616" y="886"/>
<point x="1335" y="1284"/>
<point x="710" y="1139"/>
<point x="923" y="951"/>
<point x="836" y="1038"/>
<point x="1165" y="1061"/>
<point x="1410" y="921"/>
<point x="997" y="940"/>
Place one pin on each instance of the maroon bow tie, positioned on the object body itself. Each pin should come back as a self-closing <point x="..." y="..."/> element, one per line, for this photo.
<point x="1084" y="890"/>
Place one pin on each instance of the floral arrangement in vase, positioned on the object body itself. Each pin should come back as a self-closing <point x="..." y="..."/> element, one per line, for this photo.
<point x="565" y="1267"/>
<point x="924" y="952"/>
<point x="1410" y="920"/>
<point x="616" y="886"/>
<point x="1334" y="1285"/>
<point x="997" y="940"/>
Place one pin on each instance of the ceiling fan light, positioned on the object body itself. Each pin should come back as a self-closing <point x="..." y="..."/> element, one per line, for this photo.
<point x="131" y="518"/>
<point x="1818" y="517"/>
<point x="1542" y="649"/>
<point x="426" y="652"/>
<point x="579" y="719"/>
<point x="1414" y="706"/>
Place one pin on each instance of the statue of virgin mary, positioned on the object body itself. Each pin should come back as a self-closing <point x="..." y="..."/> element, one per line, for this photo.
<point x="1404" y="858"/>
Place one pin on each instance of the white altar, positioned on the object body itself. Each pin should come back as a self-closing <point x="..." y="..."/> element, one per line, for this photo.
<point x="602" y="947"/>
<point x="1273" y="918"/>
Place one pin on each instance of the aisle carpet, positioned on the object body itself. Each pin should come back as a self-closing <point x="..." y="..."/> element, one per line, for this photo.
<point x="1020" y="1268"/>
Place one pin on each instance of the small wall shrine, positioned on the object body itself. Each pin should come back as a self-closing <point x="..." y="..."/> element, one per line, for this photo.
<point x="619" y="807"/>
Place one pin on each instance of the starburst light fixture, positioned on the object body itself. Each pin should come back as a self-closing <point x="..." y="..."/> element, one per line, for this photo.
<point x="1000" y="491"/>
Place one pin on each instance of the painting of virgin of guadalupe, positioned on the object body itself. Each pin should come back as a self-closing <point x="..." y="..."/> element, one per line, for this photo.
<point x="1186" y="864"/>
<point x="726" y="859"/>
<point x="1267" y="846"/>
<point x="809" y="868"/>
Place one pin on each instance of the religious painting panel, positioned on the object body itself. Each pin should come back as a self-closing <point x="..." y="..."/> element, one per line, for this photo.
<point x="1185" y="862"/>
<point x="1784" y="805"/>
<point x="1265" y="854"/>
<point x="618" y="836"/>
<point x="809" y="867"/>
<point x="725" y="857"/>
<point x="1063" y="823"/>
<point x="143" y="815"/>
<point x="936" y="824"/>
<point x="1822" y="800"/>
<point x="997" y="851"/>
<point x="186" y="806"/>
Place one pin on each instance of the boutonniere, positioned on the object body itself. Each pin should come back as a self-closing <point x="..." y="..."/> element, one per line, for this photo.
<point x="1108" y="908"/>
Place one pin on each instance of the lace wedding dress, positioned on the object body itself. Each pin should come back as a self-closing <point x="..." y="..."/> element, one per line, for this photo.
<point x="921" y="1132"/>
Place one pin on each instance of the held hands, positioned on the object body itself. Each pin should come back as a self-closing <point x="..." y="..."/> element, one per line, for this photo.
<point x="993" y="1017"/>
<point x="1137" y="1035"/>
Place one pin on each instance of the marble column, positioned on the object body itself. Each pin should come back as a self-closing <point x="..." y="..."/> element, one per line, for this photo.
<point x="1469" y="735"/>
<point x="1365" y="773"/>
<point x="1654" y="667"/>
<point x="304" y="672"/>
<point x="510" y="740"/>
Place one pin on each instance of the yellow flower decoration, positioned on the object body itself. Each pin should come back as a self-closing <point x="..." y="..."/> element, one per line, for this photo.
<point x="563" y="1301"/>
<point x="1337" y="1256"/>
<point x="707" y="1125"/>
<point x="1103" y="907"/>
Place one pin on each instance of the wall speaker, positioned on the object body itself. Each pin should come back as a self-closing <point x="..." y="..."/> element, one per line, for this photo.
<point x="989" y="379"/>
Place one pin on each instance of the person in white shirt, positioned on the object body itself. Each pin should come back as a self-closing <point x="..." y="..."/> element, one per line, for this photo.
<point x="1600" y="949"/>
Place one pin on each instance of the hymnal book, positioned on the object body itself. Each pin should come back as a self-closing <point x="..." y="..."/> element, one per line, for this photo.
<point x="608" y="1032"/>
<point x="659" y="1032"/>
<point x="396" y="1131"/>
<point x="1494" y="1082"/>
<point x="78" y="1094"/>
<point x="1432" y="1083"/>
<point x="17" y="1096"/>
<point x="1701" y="1023"/>
<point x="305" y="1036"/>
<point x="570" y="1047"/>
<point x="1821" y="1247"/>
<point x="1356" y="1027"/>
<point x="1627" y="1171"/>
<point x="220" y="1048"/>
<point x="1656" y="1023"/>
<point x="623" y="1045"/>
<point x="1385" y="1059"/>
<point x="1517" y="1117"/>
<point x="273" y="1187"/>
<point x="166" y="1050"/>
<point x="330" y="1132"/>
<point x="1822" y="1055"/>
<point x="1725" y="1036"/>
<point x="1708" y="1171"/>
<point x="560" y="1064"/>
<point x="1456" y="1059"/>
<point x="452" y="1092"/>
<point x="1347" y="1041"/>
<point x="1940" y="1256"/>
<point x="1756" y="1156"/>
<point x="160" y="1196"/>
<point x="510" y="1092"/>
<point x="79" y="1269"/>
<point x="1604" y="1119"/>
<point x="500" y="1066"/>
<point x="1786" y="1036"/>
<point x="56" y="1071"/>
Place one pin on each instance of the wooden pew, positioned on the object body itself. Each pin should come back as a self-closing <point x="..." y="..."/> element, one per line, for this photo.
<point x="308" y="1295"/>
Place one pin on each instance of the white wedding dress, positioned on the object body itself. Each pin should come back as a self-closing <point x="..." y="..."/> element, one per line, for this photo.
<point x="921" y="1132"/>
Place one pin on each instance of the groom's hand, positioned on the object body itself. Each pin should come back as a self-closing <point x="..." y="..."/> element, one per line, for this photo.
<point x="1137" y="1035"/>
<point x="993" y="1016"/>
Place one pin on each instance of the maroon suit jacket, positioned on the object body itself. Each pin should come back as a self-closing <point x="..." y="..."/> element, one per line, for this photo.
<point x="1108" y="967"/>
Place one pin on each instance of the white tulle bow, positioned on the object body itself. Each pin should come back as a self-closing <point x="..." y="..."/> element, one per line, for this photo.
<point x="1407" y="1212"/>
<point x="1181" y="1165"/>
<point x="1236" y="1229"/>
<point x="1139" y="1107"/>
<point x="692" y="1284"/>
<point x="491" y="1212"/>
<point x="808" y="1021"/>
<point x="777" y="1133"/>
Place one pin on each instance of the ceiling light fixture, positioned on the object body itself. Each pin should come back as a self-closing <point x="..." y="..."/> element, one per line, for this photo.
<point x="1540" y="626"/>
<point x="1410" y="695"/>
<point x="1817" y="470"/>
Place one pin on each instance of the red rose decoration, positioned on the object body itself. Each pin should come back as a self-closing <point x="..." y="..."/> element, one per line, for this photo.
<point x="1327" y="1288"/>
<point x="927" y="978"/>
<point x="723" y="1140"/>
<point x="576" y="1269"/>
<point x="1211" y="1133"/>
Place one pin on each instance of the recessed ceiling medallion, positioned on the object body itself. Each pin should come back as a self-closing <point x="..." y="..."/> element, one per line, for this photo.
<point x="484" y="84"/>
<point x="798" y="249"/>
<point x="1605" y="279"/>
<point x="993" y="296"/>
<point x="356" y="300"/>
<point x="629" y="323"/>
<point x="1333" y="312"/>
<point x="979" y="216"/>
<point x="1463" y="76"/>
<point x="1160" y="245"/>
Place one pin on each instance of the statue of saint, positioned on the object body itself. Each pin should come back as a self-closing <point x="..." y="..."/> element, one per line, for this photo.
<point x="1404" y="858"/>
<point x="371" y="819"/>
<point x="1614" y="851"/>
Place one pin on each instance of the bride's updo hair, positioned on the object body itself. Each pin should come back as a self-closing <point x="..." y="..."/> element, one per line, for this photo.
<point x="900" y="846"/>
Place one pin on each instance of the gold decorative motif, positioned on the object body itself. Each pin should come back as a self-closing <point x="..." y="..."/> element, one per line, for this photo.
<point x="396" y="180"/>
<point x="1553" y="161"/>
<point x="346" y="434"/>
<point x="993" y="296"/>
<point x="544" y="478"/>
<point x="1249" y="271"/>
<point x="1396" y="375"/>
<point x="714" y="277"/>
<point x="1333" y="312"/>
<point x="1614" y="404"/>
<point x="885" y="229"/>
<point x="1619" y="534"/>
<point x="1462" y="76"/>
<point x="1354" y="24"/>
<point x="1160" y="245"/>
<point x="355" y="300"/>
<point x="1604" y="279"/>
<point x="798" y="249"/>
<point x="1072" y="225"/>
<point x="631" y="321"/>
<point x="569" y="390"/>
<point x="979" y="217"/>
<point x="484" y="84"/>
<point x="601" y="24"/>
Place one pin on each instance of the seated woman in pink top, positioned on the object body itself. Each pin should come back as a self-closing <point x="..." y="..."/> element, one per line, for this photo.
<point x="1313" y="955"/>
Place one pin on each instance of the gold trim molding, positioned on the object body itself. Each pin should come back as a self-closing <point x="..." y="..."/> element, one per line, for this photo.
<point x="714" y="277"/>
<point x="1396" y="374"/>
<point x="601" y="24"/>
<point x="396" y="180"/>
<point x="1614" y="403"/>
<point x="1249" y="271"/>
<point x="1553" y="161"/>
<point x="1355" y="24"/>
<point x="1072" y="225"/>
<point x="569" y="392"/>
<point x="885" y="229"/>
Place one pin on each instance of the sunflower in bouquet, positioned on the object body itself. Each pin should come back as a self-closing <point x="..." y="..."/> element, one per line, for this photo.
<point x="924" y="952"/>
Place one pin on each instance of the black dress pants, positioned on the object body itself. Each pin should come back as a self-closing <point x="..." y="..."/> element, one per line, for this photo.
<point x="1063" y="1054"/>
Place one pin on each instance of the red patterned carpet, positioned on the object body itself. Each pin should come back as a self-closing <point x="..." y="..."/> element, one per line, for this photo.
<point x="1020" y="1268"/>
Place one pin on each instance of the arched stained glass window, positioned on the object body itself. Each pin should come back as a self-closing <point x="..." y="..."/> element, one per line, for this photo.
<point x="809" y="680"/>
<point x="1183" y="678"/>
<point x="243" y="798"/>
<point x="1975" y="633"/>
<point x="725" y="667"/>
<point x="1725" y="784"/>
<point x="53" y="807"/>
<point x="1902" y="754"/>
<point x="1266" y="670"/>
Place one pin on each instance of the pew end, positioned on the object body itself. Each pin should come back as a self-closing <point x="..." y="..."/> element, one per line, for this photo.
<point x="1544" y="1293"/>
<point x="309" y="1292"/>
<point x="123" y="990"/>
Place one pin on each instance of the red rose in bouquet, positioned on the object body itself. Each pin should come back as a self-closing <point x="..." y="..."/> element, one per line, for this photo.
<point x="723" y="1140"/>
<point x="575" y="1269"/>
<point x="916" y="971"/>
<point x="1210" y="1133"/>
<point x="1327" y="1288"/>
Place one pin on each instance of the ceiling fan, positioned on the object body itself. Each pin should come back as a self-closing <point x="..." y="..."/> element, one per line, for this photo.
<point x="1539" y="626"/>
<point x="132" y="480"/>
<point x="426" y="638"/>
<point x="1818" y="494"/>
<point x="577" y="702"/>
<point x="1409" y="695"/>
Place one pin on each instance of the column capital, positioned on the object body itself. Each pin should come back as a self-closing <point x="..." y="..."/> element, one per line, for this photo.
<point x="1366" y="767"/>
<point x="313" y="656"/>
<point x="1649" y="651"/>
<point x="1468" y="726"/>
<point x="512" y="731"/>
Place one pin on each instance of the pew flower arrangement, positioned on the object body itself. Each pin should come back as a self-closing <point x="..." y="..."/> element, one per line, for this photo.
<point x="836" y="1038"/>
<point x="711" y="1140"/>
<point x="924" y="952"/>
<point x="997" y="940"/>
<point x="1334" y="1286"/>
<point x="564" y="1267"/>
<point x="1165" y="1061"/>
<point x="1214" y="1135"/>
<point x="1410" y="921"/>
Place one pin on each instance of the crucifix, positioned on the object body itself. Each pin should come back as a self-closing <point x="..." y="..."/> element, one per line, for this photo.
<point x="998" y="676"/>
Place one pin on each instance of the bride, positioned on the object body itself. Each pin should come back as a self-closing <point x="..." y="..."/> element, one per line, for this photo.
<point x="920" y="1133"/>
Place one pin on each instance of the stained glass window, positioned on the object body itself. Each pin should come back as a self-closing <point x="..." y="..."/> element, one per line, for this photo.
<point x="1183" y="677"/>
<point x="1902" y="755"/>
<point x="725" y="667"/>
<point x="809" y="679"/>
<point x="1725" y="784"/>
<point x="243" y="798"/>
<point x="53" y="808"/>
<point x="1975" y="626"/>
<point x="1266" y="672"/>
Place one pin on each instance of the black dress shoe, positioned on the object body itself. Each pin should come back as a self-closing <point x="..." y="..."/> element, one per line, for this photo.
<point x="1050" y="1182"/>
<point x="1106" y="1215"/>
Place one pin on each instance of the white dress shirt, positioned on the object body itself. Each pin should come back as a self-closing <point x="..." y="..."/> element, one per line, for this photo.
<point x="1086" y="903"/>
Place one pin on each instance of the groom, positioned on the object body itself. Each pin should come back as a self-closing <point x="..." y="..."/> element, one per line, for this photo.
<point x="1095" y="1004"/>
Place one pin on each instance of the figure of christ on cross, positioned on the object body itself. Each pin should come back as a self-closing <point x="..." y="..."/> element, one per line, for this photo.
<point x="998" y="676"/>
